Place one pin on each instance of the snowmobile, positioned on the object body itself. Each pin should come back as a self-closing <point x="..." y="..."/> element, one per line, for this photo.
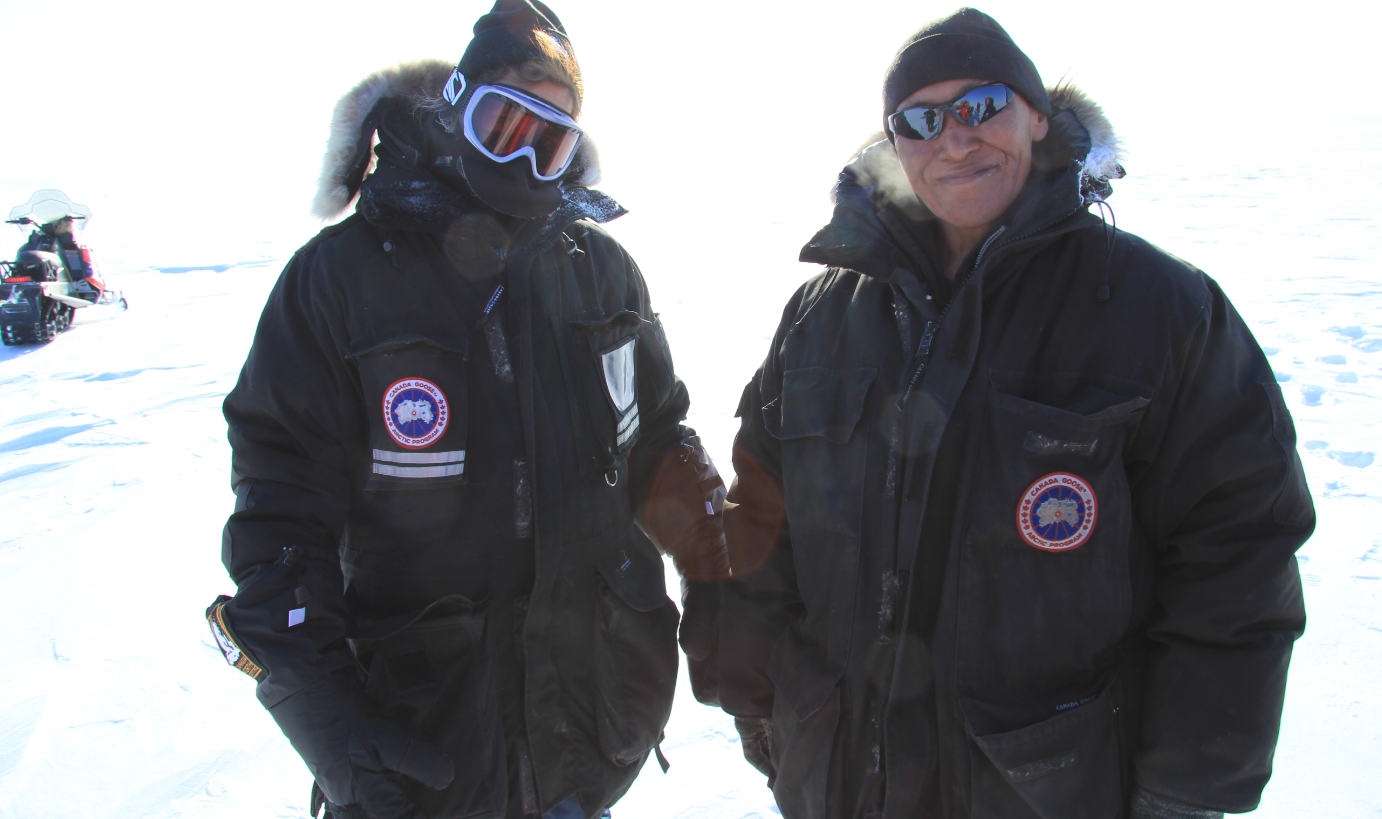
<point x="52" y="275"/>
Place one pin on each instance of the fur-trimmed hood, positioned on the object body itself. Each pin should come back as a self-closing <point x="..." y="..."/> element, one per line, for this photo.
<point x="1071" y="168"/>
<point x="349" y="154"/>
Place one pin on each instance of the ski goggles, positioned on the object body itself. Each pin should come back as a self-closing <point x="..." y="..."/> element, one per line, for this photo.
<point x="504" y="124"/>
<point x="974" y="107"/>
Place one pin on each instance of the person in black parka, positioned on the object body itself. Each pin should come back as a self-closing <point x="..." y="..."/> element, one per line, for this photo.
<point x="457" y="453"/>
<point x="1017" y="495"/>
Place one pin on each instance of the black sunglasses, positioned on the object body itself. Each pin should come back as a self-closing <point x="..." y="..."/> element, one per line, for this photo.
<point x="973" y="107"/>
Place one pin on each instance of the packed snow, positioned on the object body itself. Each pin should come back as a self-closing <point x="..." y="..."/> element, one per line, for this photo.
<point x="114" y="484"/>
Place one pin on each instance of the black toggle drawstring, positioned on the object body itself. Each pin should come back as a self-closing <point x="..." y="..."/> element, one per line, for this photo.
<point x="1101" y="294"/>
<point x="391" y="248"/>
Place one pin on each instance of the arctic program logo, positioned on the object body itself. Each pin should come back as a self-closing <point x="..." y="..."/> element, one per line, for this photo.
<point x="415" y="412"/>
<point x="1057" y="512"/>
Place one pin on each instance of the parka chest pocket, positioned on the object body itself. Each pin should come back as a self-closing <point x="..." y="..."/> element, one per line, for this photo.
<point x="1048" y="521"/>
<point x="416" y="398"/>
<point x="823" y="453"/>
<point x="825" y="445"/>
<point x="611" y="386"/>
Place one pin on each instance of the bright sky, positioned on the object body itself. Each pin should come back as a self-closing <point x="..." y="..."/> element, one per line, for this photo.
<point x="215" y="114"/>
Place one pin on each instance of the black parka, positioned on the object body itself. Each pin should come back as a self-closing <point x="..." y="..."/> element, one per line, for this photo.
<point x="920" y="648"/>
<point x="493" y="586"/>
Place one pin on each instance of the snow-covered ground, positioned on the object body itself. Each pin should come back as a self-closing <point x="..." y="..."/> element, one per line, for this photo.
<point x="113" y="462"/>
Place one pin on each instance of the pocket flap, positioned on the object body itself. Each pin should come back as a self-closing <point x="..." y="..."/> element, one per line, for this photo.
<point x="803" y="675"/>
<point x="376" y="345"/>
<point x="635" y="573"/>
<point x="624" y="319"/>
<point x="1080" y="398"/>
<point x="819" y="401"/>
<point x="1055" y="743"/>
<point x="1066" y="767"/>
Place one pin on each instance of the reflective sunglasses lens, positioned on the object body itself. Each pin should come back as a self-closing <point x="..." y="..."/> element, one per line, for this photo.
<point x="981" y="104"/>
<point x="925" y="122"/>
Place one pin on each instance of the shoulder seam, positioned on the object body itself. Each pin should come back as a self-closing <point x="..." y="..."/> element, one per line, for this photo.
<point x="813" y="296"/>
<point x="327" y="233"/>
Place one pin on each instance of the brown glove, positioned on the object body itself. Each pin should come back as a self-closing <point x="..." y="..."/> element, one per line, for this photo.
<point x="684" y="513"/>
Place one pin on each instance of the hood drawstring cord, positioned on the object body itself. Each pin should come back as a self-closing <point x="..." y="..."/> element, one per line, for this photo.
<point x="1101" y="294"/>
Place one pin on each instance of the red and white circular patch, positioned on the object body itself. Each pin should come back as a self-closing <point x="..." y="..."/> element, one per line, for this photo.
<point x="415" y="412"/>
<point x="1057" y="513"/>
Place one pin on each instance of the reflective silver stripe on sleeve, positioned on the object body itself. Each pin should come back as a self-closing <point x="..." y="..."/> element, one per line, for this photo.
<point x="419" y="471"/>
<point x="629" y="426"/>
<point x="630" y="419"/>
<point x="420" y="457"/>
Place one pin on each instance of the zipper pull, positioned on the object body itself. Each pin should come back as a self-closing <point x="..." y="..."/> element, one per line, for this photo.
<point x="928" y="334"/>
<point x="493" y="300"/>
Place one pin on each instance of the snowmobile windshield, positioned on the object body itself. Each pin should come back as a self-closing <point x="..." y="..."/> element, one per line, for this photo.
<point x="48" y="206"/>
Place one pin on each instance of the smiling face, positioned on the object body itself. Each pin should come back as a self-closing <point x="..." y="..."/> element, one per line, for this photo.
<point x="969" y="176"/>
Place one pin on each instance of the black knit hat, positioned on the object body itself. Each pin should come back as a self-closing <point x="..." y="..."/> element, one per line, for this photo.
<point x="505" y="36"/>
<point x="968" y="44"/>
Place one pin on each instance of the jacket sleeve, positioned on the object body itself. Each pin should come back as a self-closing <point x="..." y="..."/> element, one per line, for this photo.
<point x="675" y="490"/>
<point x="291" y="417"/>
<point x="1224" y="505"/>
<point x="677" y="493"/>
<point x="761" y="598"/>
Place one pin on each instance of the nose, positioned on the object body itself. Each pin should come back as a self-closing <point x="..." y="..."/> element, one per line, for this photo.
<point x="956" y="139"/>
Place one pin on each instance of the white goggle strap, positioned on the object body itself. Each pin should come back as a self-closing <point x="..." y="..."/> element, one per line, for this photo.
<point x="454" y="88"/>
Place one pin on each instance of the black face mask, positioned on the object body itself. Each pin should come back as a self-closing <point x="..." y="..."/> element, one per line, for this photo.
<point x="506" y="187"/>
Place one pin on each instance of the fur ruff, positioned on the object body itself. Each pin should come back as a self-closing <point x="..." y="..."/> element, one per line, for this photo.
<point x="410" y="80"/>
<point x="1105" y="158"/>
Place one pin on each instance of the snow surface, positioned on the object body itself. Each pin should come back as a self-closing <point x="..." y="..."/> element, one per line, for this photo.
<point x="114" y="701"/>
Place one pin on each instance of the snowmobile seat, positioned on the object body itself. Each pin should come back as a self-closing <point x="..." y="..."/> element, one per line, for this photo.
<point x="39" y="266"/>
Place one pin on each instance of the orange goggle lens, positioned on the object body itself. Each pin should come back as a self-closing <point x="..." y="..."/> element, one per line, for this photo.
<point x="504" y="126"/>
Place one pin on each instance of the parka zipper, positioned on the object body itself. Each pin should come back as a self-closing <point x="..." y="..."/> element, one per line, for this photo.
<point x="901" y="579"/>
<point x="493" y="328"/>
<point x="928" y="334"/>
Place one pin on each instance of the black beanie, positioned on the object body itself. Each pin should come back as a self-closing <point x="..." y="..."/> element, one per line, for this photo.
<point x="504" y="37"/>
<point x="968" y="44"/>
